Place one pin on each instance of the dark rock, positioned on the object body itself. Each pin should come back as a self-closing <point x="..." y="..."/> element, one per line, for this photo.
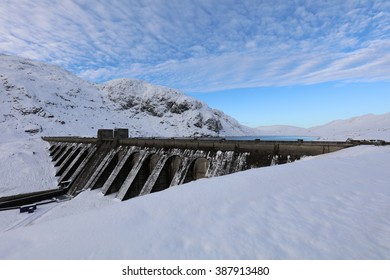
<point x="214" y="125"/>
<point x="198" y="121"/>
<point x="33" y="130"/>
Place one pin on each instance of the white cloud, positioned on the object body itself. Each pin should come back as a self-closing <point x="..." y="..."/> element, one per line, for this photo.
<point x="204" y="45"/>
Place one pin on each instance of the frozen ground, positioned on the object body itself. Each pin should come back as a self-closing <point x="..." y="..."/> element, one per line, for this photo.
<point x="334" y="206"/>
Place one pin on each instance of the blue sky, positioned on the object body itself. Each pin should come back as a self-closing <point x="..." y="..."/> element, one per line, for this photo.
<point x="299" y="63"/>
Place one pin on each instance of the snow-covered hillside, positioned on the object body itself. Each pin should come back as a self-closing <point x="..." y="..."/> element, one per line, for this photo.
<point x="281" y="130"/>
<point x="368" y="126"/>
<point x="333" y="206"/>
<point x="168" y="112"/>
<point x="364" y="127"/>
<point x="39" y="99"/>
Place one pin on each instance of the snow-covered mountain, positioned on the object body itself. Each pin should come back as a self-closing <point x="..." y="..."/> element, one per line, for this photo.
<point x="41" y="99"/>
<point x="368" y="126"/>
<point x="282" y="130"/>
<point x="38" y="98"/>
<point x="168" y="112"/>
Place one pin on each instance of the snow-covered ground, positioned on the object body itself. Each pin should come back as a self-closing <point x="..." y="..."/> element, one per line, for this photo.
<point x="25" y="166"/>
<point x="334" y="206"/>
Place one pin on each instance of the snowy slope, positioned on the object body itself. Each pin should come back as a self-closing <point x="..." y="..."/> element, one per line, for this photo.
<point x="368" y="126"/>
<point x="333" y="206"/>
<point x="40" y="99"/>
<point x="167" y="111"/>
<point x="25" y="166"/>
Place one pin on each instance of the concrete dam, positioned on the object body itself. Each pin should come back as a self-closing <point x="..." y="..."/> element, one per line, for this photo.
<point x="130" y="167"/>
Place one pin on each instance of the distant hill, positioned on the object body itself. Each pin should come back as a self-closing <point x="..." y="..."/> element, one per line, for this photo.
<point x="368" y="126"/>
<point x="282" y="130"/>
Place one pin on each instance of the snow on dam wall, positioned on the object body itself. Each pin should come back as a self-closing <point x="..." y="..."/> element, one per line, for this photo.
<point x="130" y="167"/>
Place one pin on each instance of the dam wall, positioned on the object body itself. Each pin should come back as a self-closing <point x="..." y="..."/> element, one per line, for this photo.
<point x="129" y="167"/>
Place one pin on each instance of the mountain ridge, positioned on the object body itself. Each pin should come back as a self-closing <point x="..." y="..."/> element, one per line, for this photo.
<point x="41" y="99"/>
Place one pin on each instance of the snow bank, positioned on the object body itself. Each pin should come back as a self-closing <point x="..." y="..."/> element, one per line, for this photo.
<point x="25" y="166"/>
<point x="333" y="206"/>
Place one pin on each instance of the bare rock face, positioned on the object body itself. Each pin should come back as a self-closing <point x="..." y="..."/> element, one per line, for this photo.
<point x="214" y="125"/>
